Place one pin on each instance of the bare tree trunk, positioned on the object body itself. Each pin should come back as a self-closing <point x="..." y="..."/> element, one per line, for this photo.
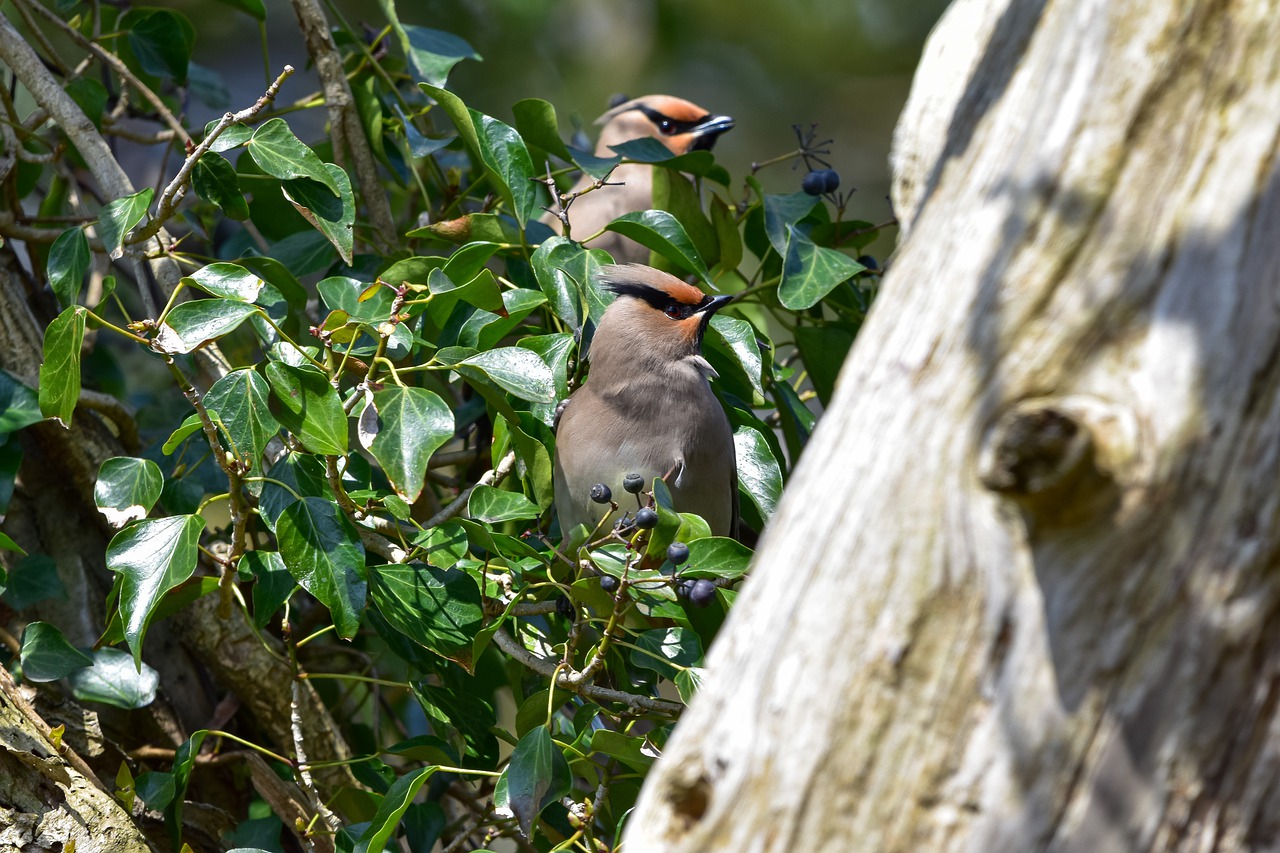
<point x="1022" y="593"/>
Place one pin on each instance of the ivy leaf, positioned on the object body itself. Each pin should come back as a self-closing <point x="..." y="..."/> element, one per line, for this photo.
<point x="759" y="475"/>
<point x="402" y="428"/>
<point x="663" y="233"/>
<point x="273" y="584"/>
<point x="19" y="406"/>
<point x="716" y="557"/>
<point x="810" y="271"/>
<point x="308" y="407"/>
<point x="152" y="556"/>
<point x="323" y="552"/>
<point x="242" y="400"/>
<point x="781" y="212"/>
<point x="333" y="217"/>
<point x="184" y="758"/>
<point x="513" y="369"/>
<point x="391" y="809"/>
<point x="115" y="680"/>
<point x="537" y="776"/>
<point x="47" y="656"/>
<point x="229" y="281"/>
<point x="120" y="217"/>
<point x="494" y="505"/>
<point x="60" y="371"/>
<point x="438" y="609"/>
<point x="190" y="325"/>
<point x="537" y="125"/>
<point x="433" y="53"/>
<point x="668" y="650"/>
<point x="282" y="155"/>
<point x="824" y="349"/>
<point x="161" y="39"/>
<point x="215" y="181"/>
<point x="127" y="489"/>
<point x="68" y="262"/>
<point x="504" y="152"/>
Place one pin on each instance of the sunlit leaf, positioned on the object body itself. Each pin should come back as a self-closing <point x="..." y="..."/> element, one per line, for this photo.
<point x="390" y="811"/>
<point x="121" y="216"/>
<point x="281" y="154"/>
<point x="537" y="776"/>
<point x="47" y="656"/>
<point x="127" y="488"/>
<point x="68" y="262"/>
<point x="214" y="180"/>
<point x="309" y="407"/>
<point x="190" y="325"/>
<point x="810" y="272"/>
<point x="60" y="371"/>
<point x="334" y="217"/>
<point x="408" y="425"/>
<point x="153" y="556"/>
<point x="438" y="609"/>
<point x="115" y="680"/>
<point x="663" y="233"/>
<point x="323" y="552"/>
<point x="229" y="281"/>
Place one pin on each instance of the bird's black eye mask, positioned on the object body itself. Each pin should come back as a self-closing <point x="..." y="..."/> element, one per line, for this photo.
<point x="668" y="126"/>
<point x="673" y="308"/>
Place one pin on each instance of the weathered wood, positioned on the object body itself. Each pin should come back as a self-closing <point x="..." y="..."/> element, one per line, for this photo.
<point x="1022" y="592"/>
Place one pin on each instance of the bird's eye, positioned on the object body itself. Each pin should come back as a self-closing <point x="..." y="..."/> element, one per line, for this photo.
<point x="674" y="311"/>
<point x="667" y="126"/>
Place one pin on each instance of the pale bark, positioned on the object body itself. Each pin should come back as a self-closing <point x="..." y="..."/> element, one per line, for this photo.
<point x="1022" y="591"/>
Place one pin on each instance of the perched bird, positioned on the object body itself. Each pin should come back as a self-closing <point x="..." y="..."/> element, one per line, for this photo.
<point x="647" y="408"/>
<point x="678" y="124"/>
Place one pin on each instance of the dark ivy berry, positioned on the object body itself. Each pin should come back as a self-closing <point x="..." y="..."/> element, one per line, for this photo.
<point x="684" y="589"/>
<point x="600" y="493"/>
<point x="677" y="553"/>
<point x="565" y="607"/>
<point x="702" y="593"/>
<point x="814" y="183"/>
<point x="868" y="262"/>
<point x="646" y="519"/>
<point x="633" y="483"/>
<point x="608" y="583"/>
<point x="830" y="180"/>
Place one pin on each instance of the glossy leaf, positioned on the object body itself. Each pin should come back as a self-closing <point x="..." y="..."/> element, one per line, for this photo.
<point x="334" y="217"/>
<point x="19" y="405"/>
<point x="309" y="407"/>
<point x="272" y="586"/>
<point x="781" y="213"/>
<point x="513" y="369"/>
<point x="440" y="610"/>
<point x="663" y="233"/>
<point x="537" y="125"/>
<point x="47" y="656"/>
<point x="161" y="39"/>
<point x="727" y="236"/>
<point x="282" y="155"/>
<point x="433" y="53"/>
<point x="127" y="489"/>
<point x="504" y="152"/>
<point x="183" y="760"/>
<point x="33" y="580"/>
<point x="190" y="325"/>
<point x="323" y="552"/>
<point x="458" y="114"/>
<point x="646" y="149"/>
<point x="156" y="789"/>
<point x="229" y="281"/>
<point x="716" y="557"/>
<point x="185" y="430"/>
<point x="121" y="216"/>
<point x="115" y="680"/>
<point x="233" y="135"/>
<point x="537" y="776"/>
<point x="635" y="752"/>
<point x="214" y="180"/>
<point x="677" y="195"/>
<point x="667" y="650"/>
<point x="391" y="809"/>
<point x="60" y="372"/>
<point x="242" y="401"/>
<point x="68" y="262"/>
<point x="811" y="271"/>
<point x="494" y="505"/>
<point x="407" y="426"/>
<point x="759" y="474"/>
<point x="153" y="556"/>
<point x="738" y="337"/>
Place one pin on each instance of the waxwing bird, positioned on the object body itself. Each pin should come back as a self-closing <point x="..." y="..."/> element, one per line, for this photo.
<point x="678" y="124"/>
<point x="647" y="408"/>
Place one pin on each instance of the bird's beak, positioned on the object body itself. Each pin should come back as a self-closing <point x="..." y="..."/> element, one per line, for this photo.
<point x="715" y="304"/>
<point x="708" y="131"/>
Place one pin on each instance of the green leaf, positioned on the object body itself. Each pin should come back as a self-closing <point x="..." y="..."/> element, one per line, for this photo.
<point x="7" y="544"/>
<point x="309" y="407"/>
<point x="727" y="236"/>
<point x="60" y="372"/>
<point x="232" y="136"/>
<point x="171" y="602"/>
<point x="663" y="233"/>
<point x="781" y="213"/>
<point x="635" y="752"/>
<point x="494" y="505"/>
<point x="402" y="428"/>
<point x="282" y="155"/>
<point x="184" y="758"/>
<point x="824" y="349"/>
<point x="229" y="281"/>
<point x="190" y="325"/>
<point x="811" y="271"/>
<point x="716" y="557"/>
<point x="33" y="580"/>
<point x="155" y="788"/>
<point x="392" y="808"/>
<point x="737" y="338"/>
<point x="458" y="114"/>
<point x="504" y="152"/>
<point x="513" y="369"/>
<point x="438" y="609"/>
<point x="537" y="776"/>
<point x="433" y="53"/>
<point x="537" y="125"/>
<point x="68" y="262"/>
<point x="47" y="656"/>
<point x="649" y="150"/>
<point x="333" y="217"/>
<point x="759" y="475"/>
<point x="120" y="217"/>
<point x="189" y="427"/>
<point x="242" y="401"/>
<point x="677" y="195"/>
<point x="273" y="584"/>
<point x="153" y="556"/>
<point x="115" y="680"/>
<point x="668" y="649"/>
<point x="215" y="181"/>
<point x="161" y="39"/>
<point x="19" y="405"/>
<point x="127" y="489"/>
<point x="91" y="96"/>
<point x="252" y="8"/>
<point x="323" y="552"/>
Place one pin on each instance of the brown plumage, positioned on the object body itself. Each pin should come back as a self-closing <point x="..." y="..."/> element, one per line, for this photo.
<point x="647" y="407"/>
<point x="678" y="124"/>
